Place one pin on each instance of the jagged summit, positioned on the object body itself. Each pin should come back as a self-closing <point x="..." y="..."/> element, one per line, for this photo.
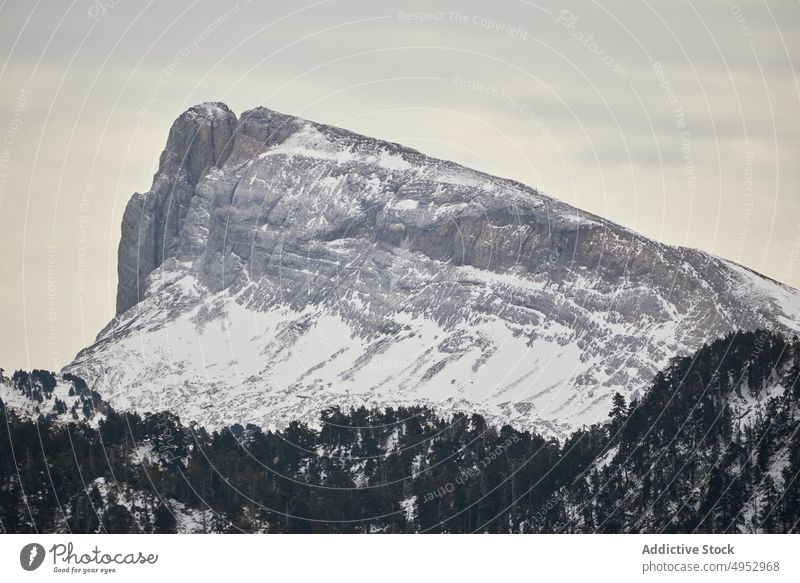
<point x="279" y="265"/>
<point x="206" y="136"/>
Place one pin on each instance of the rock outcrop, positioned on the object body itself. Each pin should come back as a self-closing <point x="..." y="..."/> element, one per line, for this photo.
<point x="200" y="139"/>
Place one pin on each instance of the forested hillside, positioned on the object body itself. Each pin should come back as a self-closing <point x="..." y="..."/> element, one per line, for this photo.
<point x="712" y="446"/>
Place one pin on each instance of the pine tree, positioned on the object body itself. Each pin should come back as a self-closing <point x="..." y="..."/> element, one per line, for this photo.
<point x="768" y="515"/>
<point x="618" y="414"/>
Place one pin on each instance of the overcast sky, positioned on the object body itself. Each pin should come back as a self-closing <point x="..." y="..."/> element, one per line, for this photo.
<point x="677" y="119"/>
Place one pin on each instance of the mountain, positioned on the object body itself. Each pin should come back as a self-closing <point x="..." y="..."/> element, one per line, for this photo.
<point x="712" y="446"/>
<point x="279" y="266"/>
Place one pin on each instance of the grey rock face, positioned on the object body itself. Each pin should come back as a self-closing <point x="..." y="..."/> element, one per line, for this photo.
<point x="375" y="273"/>
<point x="199" y="140"/>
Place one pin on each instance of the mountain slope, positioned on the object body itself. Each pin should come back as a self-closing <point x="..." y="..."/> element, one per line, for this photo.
<point x="278" y="266"/>
<point x="712" y="446"/>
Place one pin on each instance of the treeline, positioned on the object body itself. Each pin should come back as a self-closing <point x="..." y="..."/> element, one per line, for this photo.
<point x="712" y="446"/>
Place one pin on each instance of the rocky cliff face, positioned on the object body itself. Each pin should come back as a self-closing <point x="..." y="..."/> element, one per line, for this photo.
<point x="199" y="140"/>
<point x="278" y="265"/>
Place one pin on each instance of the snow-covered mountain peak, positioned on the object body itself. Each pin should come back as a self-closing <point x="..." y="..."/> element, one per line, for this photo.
<point x="278" y="265"/>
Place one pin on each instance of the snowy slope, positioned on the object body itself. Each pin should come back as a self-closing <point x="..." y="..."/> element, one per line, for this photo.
<point x="63" y="400"/>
